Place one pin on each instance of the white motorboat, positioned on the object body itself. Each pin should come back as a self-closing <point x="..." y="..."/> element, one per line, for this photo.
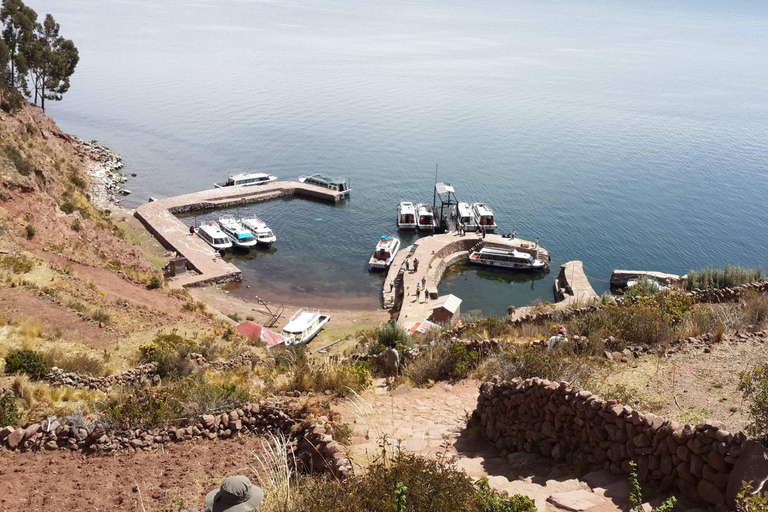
<point x="483" y="217"/>
<point x="246" y="180"/>
<point x="385" y="253"/>
<point x="506" y="258"/>
<point x="406" y="215"/>
<point x="264" y="235"/>
<point x="425" y="217"/>
<point x="303" y="326"/>
<point x="239" y="234"/>
<point x="466" y="218"/>
<point x="335" y="184"/>
<point x="214" y="236"/>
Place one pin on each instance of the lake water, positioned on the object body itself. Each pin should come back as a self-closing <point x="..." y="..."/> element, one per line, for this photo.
<point x="625" y="134"/>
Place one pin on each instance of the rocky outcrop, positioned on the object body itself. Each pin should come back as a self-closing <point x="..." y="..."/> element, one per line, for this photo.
<point x="312" y="444"/>
<point x="568" y="424"/>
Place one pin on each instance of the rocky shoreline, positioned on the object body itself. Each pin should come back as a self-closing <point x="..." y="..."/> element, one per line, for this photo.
<point x="104" y="170"/>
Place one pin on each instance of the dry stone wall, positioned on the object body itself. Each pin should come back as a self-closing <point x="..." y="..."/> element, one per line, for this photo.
<point x="59" y="377"/>
<point x="564" y="423"/>
<point x="313" y="444"/>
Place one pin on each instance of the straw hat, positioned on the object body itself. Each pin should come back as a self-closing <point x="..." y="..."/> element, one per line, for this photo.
<point x="237" y="494"/>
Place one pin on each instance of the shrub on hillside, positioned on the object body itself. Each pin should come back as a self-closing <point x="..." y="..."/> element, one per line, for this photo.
<point x="9" y="413"/>
<point x="27" y="361"/>
<point x="754" y="387"/>
<point x="727" y="277"/>
<point x="155" y="283"/>
<point x="18" y="264"/>
<point x="492" y="327"/>
<point x="171" y="353"/>
<point x="442" y="361"/>
<point x="30" y="231"/>
<point x="393" y="335"/>
<point x="340" y="379"/>
<point x="528" y="361"/>
<point x="409" y="482"/>
<point x="82" y="364"/>
<point x="755" y="306"/>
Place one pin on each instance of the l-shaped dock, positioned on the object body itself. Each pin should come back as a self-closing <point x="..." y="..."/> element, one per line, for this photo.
<point x="206" y="264"/>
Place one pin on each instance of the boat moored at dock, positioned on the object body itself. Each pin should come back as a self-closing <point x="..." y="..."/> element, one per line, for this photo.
<point x="466" y="217"/>
<point x="264" y="236"/>
<point x="213" y="236"/>
<point x="246" y="180"/>
<point x="385" y="253"/>
<point x="483" y="217"/>
<point x="425" y="217"/>
<point x="319" y="180"/>
<point x="239" y="235"/>
<point x="303" y="326"/>
<point x="406" y="215"/>
<point x="507" y="259"/>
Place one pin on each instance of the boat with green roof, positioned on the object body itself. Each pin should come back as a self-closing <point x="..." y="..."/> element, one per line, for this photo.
<point x="320" y="180"/>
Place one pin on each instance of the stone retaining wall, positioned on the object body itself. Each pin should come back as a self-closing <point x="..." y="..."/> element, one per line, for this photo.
<point x="567" y="424"/>
<point x="312" y="445"/>
<point x="59" y="377"/>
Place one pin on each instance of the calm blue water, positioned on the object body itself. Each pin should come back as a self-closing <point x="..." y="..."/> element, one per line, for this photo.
<point x="624" y="134"/>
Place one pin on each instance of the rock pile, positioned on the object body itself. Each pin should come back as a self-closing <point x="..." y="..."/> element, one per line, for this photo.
<point x="312" y="444"/>
<point x="59" y="377"/>
<point x="564" y="423"/>
<point x="105" y="170"/>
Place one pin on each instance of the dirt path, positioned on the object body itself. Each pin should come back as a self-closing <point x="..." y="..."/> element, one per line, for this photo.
<point x="431" y="421"/>
<point x="173" y="479"/>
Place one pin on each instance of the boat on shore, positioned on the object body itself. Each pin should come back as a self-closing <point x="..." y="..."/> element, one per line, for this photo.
<point x="319" y="180"/>
<point x="425" y="217"/>
<point x="465" y="217"/>
<point x="303" y="326"/>
<point x="385" y="253"/>
<point x="406" y="215"/>
<point x="246" y="180"/>
<point x="483" y="217"/>
<point x="264" y="236"/>
<point x="239" y="235"/>
<point x="213" y="236"/>
<point x="507" y="259"/>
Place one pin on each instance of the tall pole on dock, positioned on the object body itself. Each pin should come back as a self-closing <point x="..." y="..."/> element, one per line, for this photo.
<point x="434" y="190"/>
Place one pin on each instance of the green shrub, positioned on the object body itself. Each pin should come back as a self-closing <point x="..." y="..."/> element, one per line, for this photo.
<point x="644" y="287"/>
<point x="528" y="361"/>
<point x="9" y="413"/>
<point x="30" y="231"/>
<point x="143" y="408"/>
<point x="339" y="379"/>
<point x="77" y="180"/>
<point x="19" y="160"/>
<point x="27" y="361"/>
<point x="67" y="207"/>
<point x="155" y="283"/>
<point x="410" y="482"/>
<point x="234" y="316"/>
<point x="442" y="361"/>
<point x="171" y="353"/>
<point x="82" y="364"/>
<point x="754" y="388"/>
<point x="636" y="497"/>
<point x="755" y="306"/>
<point x="101" y="317"/>
<point x="12" y="100"/>
<point x="18" y="264"/>
<point x="727" y="277"/>
<point x="392" y="335"/>
<point x="749" y="501"/>
<point x="492" y="327"/>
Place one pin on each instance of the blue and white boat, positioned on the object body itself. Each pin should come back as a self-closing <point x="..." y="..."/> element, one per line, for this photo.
<point x="385" y="253"/>
<point x="237" y="233"/>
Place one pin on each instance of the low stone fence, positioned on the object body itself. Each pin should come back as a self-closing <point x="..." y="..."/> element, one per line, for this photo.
<point x="313" y="445"/>
<point x="237" y="361"/>
<point x="564" y="423"/>
<point x="410" y="354"/>
<point x="59" y="377"/>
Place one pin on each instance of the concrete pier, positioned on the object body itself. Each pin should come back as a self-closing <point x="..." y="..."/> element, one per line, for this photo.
<point x="435" y="254"/>
<point x="159" y="217"/>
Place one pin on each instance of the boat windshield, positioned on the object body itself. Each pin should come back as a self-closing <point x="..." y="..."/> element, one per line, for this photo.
<point x="244" y="237"/>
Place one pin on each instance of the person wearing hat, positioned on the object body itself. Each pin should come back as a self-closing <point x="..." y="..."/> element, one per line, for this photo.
<point x="236" y="494"/>
<point x="558" y="339"/>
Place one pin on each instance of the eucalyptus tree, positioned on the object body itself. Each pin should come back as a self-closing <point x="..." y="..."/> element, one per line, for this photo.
<point x="18" y="33"/>
<point x="52" y="61"/>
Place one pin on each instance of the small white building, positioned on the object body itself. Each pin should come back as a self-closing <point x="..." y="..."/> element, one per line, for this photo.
<point x="446" y="310"/>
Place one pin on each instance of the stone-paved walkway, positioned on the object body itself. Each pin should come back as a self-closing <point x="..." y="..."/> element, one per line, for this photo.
<point x="433" y="421"/>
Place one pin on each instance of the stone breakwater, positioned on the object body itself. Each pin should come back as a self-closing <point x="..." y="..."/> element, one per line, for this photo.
<point x="311" y="444"/>
<point x="564" y="423"/>
<point x="59" y="377"/>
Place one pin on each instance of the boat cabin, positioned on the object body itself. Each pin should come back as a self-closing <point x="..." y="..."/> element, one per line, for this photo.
<point x="246" y="179"/>
<point x="214" y="236"/>
<point x="335" y="184"/>
<point x="483" y="216"/>
<point x="406" y="215"/>
<point x="466" y="217"/>
<point x="302" y="326"/>
<point x="426" y="217"/>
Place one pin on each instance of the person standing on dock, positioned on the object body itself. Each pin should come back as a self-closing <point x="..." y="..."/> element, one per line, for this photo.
<point x="416" y="265"/>
<point x="483" y="231"/>
<point x="407" y="264"/>
<point x="391" y="286"/>
<point x="513" y="233"/>
<point x="191" y="230"/>
<point x="424" y="282"/>
<point x="537" y="242"/>
<point x="418" y="292"/>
